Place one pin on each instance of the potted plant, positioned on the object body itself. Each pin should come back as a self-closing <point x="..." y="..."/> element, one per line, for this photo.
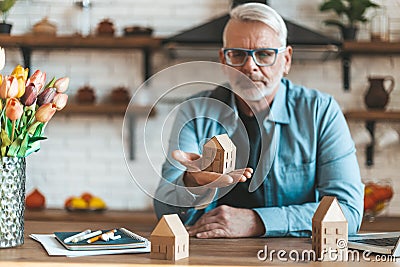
<point x="351" y="12"/>
<point x="5" y="6"/>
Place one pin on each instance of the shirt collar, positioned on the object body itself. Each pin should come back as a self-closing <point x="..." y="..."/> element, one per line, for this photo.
<point x="279" y="111"/>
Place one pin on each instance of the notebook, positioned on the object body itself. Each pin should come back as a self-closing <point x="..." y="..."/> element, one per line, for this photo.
<point x="128" y="240"/>
<point x="382" y="243"/>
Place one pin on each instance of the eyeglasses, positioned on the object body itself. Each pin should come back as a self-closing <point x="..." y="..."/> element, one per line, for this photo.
<point x="263" y="57"/>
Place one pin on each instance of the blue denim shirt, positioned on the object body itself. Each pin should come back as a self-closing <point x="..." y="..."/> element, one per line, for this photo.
<point x="314" y="156"/>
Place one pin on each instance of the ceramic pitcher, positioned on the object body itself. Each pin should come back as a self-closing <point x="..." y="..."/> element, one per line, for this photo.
<point x="377" y="95"/>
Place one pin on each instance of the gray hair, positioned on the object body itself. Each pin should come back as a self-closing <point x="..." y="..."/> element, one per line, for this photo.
<point x="262" y="13"/>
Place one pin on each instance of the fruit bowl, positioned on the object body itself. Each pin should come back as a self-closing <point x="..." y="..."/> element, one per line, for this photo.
<point x="86" y="202"/>
<point x="377" y="196"/>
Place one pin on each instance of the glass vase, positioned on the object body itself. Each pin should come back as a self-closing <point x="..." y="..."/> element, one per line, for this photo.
<point x="12" y="201"/>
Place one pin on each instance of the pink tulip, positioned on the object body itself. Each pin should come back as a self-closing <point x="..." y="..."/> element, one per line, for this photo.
<point x="45" y="112"/>
<point x="9" y="87"/>
<point x="14" y="109"/>
<point x="38" y="79"/>
<point x="60" y="100"/>
<point x="62" y="84"/>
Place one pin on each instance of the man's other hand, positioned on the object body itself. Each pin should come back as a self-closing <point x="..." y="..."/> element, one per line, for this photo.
<point x="228" y="222"/>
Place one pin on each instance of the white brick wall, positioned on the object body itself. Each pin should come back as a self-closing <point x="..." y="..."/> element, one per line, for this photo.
<point x="85" y="153"/>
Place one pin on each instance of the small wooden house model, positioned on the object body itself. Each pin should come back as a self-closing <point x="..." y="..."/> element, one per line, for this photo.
<point x="169" y="239"/>
<point x="329" y="230"/>
<point x="219" y="154"/>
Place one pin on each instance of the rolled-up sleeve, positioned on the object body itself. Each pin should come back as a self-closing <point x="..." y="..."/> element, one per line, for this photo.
<point x="337" y="174"/>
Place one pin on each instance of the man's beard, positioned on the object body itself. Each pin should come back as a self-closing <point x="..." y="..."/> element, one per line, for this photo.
<point x="255" y="88"/>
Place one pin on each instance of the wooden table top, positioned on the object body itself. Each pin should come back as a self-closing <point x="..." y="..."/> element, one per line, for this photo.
<point x="213" y="252"/>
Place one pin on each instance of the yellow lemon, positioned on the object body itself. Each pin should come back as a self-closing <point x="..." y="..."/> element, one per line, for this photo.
<point x="96" y="203"/>
<point x="78" y="203"/>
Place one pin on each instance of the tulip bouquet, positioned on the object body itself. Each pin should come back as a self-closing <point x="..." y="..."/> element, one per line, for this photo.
<point x="26" y="105"/>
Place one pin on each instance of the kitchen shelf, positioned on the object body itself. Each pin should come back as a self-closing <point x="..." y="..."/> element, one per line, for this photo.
<point x="106" y="109"/>
<point x="28" y="43"/>
<point x="375" y="115"/>
<point x="371" y="117"/>
<point x="110" y="109"/>
<point x="371" y="48"/>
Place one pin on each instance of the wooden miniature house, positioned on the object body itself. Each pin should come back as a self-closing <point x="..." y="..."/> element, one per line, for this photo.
<point x="219" y="154"/>
<point x="169" y="239"/>
<point x="329" y="230"/>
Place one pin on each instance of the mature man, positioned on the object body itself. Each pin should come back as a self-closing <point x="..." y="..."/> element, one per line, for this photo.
<point x="309" y="152"/>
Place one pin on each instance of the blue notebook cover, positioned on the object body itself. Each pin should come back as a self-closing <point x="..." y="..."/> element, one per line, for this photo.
<point x="128" y="240"/>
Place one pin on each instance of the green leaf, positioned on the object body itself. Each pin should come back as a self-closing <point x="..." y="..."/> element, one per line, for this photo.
<point x="5" y="142"/>
<point x="334" y="5"/>
<point x="33" y="148"/>
<point x="332" y="22"/>
<point x="38" y="131"/>
<point x="5" y="5"/>
<point x="24" y="147"/>
<point x="50" y="84"/>
<point x="352" y="10"/>
<point x="32" y="128"/>
<point x="15" y="146"/>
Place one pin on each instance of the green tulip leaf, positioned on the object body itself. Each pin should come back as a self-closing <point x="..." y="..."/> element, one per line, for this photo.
<point x="51" y="83"/>
<point x="33" y="148"/>
<point x="38" y="138"/>
<point x="5" y="142"/>
<point x="14" y="147"/>
<point x="32" y="128"/>
<point x="24" y="147"/>
<point x="39" y="130"/>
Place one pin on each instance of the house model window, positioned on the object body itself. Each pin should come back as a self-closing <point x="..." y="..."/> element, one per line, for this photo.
<point x="219" y="154"/>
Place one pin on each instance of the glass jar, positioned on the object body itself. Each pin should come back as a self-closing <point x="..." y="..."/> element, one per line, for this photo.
<point x="380" y="26"/>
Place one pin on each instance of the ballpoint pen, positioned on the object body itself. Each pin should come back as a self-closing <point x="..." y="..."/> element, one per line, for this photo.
<point x="70" y="238"/>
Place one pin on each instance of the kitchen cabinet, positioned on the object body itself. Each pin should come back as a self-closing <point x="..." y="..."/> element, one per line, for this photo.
<point x="350" y="48"/>
<point x="371" y="117"/>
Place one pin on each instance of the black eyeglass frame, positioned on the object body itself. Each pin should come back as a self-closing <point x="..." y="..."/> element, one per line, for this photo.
<point x="250" y="52"/>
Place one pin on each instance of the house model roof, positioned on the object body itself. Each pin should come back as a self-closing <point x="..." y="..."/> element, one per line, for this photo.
<point x="170" y="225"/>
<point x="223" y="140"/>
<point x="329" y="210"/>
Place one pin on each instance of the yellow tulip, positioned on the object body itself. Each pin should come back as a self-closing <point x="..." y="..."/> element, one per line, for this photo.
<point x="21" y="87"/>
<point x="26" y="71"/>
<point x="14" y="109"/>
<point x="1" y="79"/>
<point x="18" y="72"/>
<point x="45" y="112"/>
<point x="9" y="87"/>
<point x="21" y="74"/>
